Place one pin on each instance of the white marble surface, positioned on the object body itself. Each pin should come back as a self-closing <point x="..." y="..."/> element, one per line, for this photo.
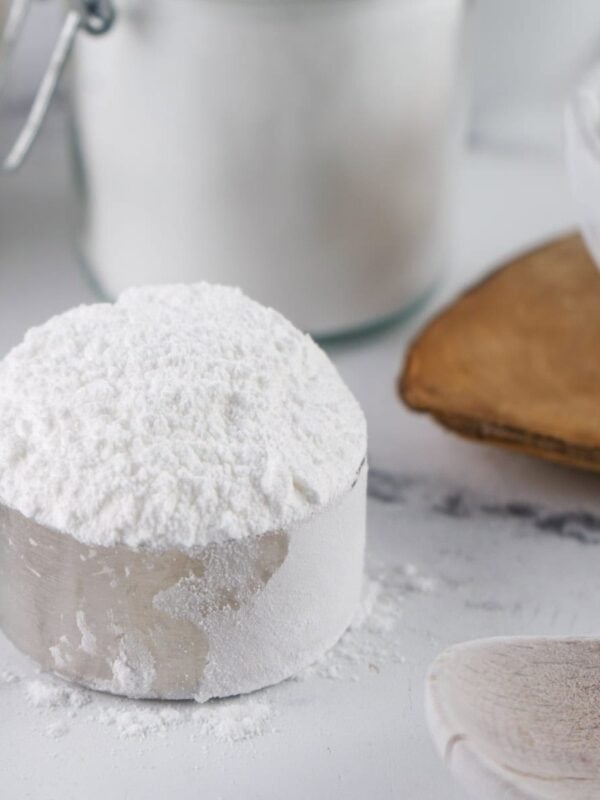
<point x="512" y="543"/>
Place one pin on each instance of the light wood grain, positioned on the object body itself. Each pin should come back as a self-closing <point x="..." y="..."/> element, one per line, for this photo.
<point x="519" y="718"/>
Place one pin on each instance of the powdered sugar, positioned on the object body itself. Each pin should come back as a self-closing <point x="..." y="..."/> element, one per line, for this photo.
<point x="371" y="641"/>
<point x="234" y="720"/>
<point x="46" y="694"/>
<point x="178" y="416"/>
<point x="227" y="619"/>
<point x="225" y="720"/>
<point x="134" y="668"/>
<point x="57" y="729"/>
<point x="88" y="640"/>
<point x="7" y="676"/>
<point x="138" y="722"/>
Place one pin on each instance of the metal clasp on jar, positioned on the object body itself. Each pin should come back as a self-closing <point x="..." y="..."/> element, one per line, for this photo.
<point x="95" y="17"/>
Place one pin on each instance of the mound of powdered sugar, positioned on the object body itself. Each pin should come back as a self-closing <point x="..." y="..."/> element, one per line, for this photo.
<point x="178" y="416"/>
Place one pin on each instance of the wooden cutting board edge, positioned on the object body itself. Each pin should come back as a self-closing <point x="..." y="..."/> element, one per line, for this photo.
<point x="518" y="441"/>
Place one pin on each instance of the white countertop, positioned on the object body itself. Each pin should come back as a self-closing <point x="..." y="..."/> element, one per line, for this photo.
<point x="442" y="504"/>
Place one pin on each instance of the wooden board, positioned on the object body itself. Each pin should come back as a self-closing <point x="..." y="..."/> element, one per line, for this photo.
<point x="515" y="361"/>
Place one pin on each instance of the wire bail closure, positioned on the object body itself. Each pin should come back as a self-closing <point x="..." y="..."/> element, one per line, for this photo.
<point x="96" y="17"/>
<point x="99" y="16"/>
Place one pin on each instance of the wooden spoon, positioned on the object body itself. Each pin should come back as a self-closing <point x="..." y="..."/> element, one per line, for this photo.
<point x="519" y="718"/>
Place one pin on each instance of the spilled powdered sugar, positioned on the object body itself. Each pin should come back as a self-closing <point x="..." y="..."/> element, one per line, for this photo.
<point x="223" y="720"/>
<point x="370" y="642"/>
<point x="230" y="720"/>
<point x="45" y="694"/>
<point x="7" y="676"/>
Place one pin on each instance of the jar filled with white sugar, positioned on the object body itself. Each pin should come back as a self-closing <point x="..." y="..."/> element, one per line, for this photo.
<point x="300" y="149"/>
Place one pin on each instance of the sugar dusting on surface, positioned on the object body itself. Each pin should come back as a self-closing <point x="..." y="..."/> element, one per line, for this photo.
<point x="230" y="720"/>
<point x="42" y="693"/>
<point x="8" y="676"/>
<point x="60" y="704"/>
<point x="370" y="643"/>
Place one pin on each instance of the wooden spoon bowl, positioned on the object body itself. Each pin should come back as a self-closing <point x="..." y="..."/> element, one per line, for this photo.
<point x="519" y="718"/>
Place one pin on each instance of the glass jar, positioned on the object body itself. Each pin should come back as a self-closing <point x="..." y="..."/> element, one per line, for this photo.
<point x="297" y="148"/>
